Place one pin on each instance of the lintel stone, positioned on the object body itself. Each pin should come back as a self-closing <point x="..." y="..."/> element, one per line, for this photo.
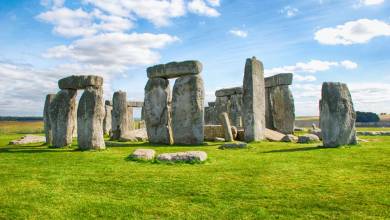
<point x="278" y="80"/>
<point x="228" y="91"/>
<point x="175" y="69"/>
<point x="135" y="104"/>
<point x="80" y="82"/>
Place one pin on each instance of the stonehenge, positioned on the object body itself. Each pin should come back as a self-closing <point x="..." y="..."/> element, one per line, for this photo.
<point x="230" y="100"/>
<point x="120" y="115"/>
<point x="176" y="118"/>
<point x="46" y="118"/>
<point x="89" y="113"/>
<point x="337" y="115"/>
<point x="253" y="100"/>
<point x="279" y="104"/>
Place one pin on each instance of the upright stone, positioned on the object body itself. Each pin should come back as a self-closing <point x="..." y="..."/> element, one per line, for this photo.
<point x="226" y="126"/>
<point x="282" y="109"/>
<point x="46" y="118"/>
<point x="188" y="110"/>
<point x="222" y="104"/>
<point x="107" y="122"/>
<point x="120" y="115"/>
<point x="62" y="113"/>
<point x="157" y="105"/>
<point x="337" y="115"/>
<point x="254" y="101"/>
<point x="130" y="117"/>
<point x="236" y="110"/>
<point x="90" y="116"/>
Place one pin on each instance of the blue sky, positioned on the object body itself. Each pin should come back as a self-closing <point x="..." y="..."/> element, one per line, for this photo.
<point x="42" y="41"/>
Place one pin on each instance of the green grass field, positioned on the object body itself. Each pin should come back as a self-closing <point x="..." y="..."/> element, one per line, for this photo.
<point x="266" y="181"/>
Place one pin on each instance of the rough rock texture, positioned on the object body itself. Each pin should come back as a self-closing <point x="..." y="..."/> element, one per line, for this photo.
<point x="229" y="92"/>
<point x="46" y="118"/>
<point x="281" y="109"/>
<point x="135" y="104"/>
<point x="80" y="82"/>
<point x="316" y="131"/>
<point x="183" y="156"/>
<point x="120" y="115"/>
<point x="90" y="116"/>
<point x="130" y="117"/>
<point x="62" y="112"/>
<point x="373" y="133"/>
<point x="254" y="101"/>
<point x="290" y="138"/>
<point x="28" y="139"/>
<point x="308" y="138"/>
<point x="175" y="69"/>
<point x="273" y="135"/>
<point x="234" y="132"/>
<point x="278" y="80"/>
<point x="188" y="110"/>
<point x="236" y="145"/>
<point x="210" y="115"/>
<point x="135" y="135"/>
<point x="157" y="115"/>
<point x="224" y="118"/>
<point x="240" y="134"/>
<point x="235" y="113"/>
<point x="337" y="115"/>
<point x="211" y="132"/>
<point x="143" y="154"/>
<point x="107" y="122"/>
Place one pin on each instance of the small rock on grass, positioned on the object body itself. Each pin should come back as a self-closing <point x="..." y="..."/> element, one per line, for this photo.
<point x="308" y="138"/>
<point x="189" y="156"/>
<point x="290" y="138"/>
<point x="235" y="145"/>
<point x="143" y="154"/>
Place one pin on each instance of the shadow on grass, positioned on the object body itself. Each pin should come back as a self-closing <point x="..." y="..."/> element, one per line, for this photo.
<point x="34" y="149"/>
<point x="147" y="144"/>
<point x="296" y="149"/>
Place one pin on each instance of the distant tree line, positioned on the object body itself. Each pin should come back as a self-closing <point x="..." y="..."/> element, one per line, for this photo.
<point x="12" y="118"/>
<point x="367" y="117"/>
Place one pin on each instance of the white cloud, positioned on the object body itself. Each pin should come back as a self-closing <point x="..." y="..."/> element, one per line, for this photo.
<point x="239" y="33"/>
<point x="214" y="3"/>
<point x="347" y="64"/>
<point x="370" y="2"/>
<point x="52" y="3"/>
<point x="307" y="78"/>
<point x="353" y="32"/>
<point x="289" y="11"/>
<point x="201" y="8"/>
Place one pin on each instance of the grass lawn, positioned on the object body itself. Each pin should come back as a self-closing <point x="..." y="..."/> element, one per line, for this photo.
<point x="268" y="180"/>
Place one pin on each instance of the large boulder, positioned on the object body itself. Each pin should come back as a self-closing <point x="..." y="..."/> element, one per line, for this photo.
<point x="188" y="110"/>
<point x="120" y="115"/>
<point x="62" y="112"/>
<point x="254" y="101"/>
<point x="175" y="69"/>
<point x="80" y="82"/>
<point x="46" y="118"/>
<point x="337" y="115"/>
<point x="189" y="156"/>
<point x="308" y="138"/>
<point x="143" y="154"/>
<point x="282" y="109"/>
<point x="90" y="116"/>
<point x="156" y="111"/>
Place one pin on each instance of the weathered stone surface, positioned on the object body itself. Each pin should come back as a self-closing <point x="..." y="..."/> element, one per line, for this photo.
<point x="135" y="135"/>
<point x="46" y="118"/>
<point x="130" y="117"/>
<point x="373" y="133"/>
<point x="62" y="112"/>
<point x="236" y="145"/>
<point x="90" y="116"/>
<point x="210" y="115"/>
<point x="222" y="104"/>
<point x="254" y="101"/>
<point x="278" y="80"/>
<point x="337" y="115"/>
<point x="183" y="156"/>
<point x="28" y="139"/>
<point x="188" y="110"/>
<point x="273" y="135"/>
<point x="175" y="69"/>
<point x="216" y="131"/>
<point x="317" y="132"/>
<point x="224" y="118"/>
<point x="281" y="109"/>
<point x="211" y="104"/>
<point x="290" y="138"/>
<point x="228" y="92"/>
<point x="234" y="132"/>
<point x="135" y="104"/>
<point x="120" y="115"/>
<point x="235" y="113"/>
<point x="80" y="82"/>
<point x="108" y="102"/>
<point x="308" y="138"/>
<point x="107" y="122"/>
<point x="157" y="115"/>
<point x="240" y="134"/>
<point x="143" y="154"/>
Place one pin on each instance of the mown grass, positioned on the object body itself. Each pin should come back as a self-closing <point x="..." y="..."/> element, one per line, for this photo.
<point x="21" y="127"/>
<point x="266" y="181"/>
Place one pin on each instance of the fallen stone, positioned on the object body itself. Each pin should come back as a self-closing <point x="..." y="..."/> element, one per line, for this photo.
<point x="46" y="118"/>
<point x="175" y="69"/>
<point x="236" y="145"/>
<point x="190" y="156"/>
<point x="228" y="91"/>
<point x="278" y="80"/>
<point x="373" y="133"/>
<point x="337" y="115"/>
<point x="80" y="82"/>
<point x="308" y="138"/>
<point x="273" y="135"/>
<point x="215" y="131"/>
<point x="28" y="139"/>
<point x="138" y="135"/>
<point x="316" y="131"/>
<point x="143" y="154"/>
<point x="290" y="138"/>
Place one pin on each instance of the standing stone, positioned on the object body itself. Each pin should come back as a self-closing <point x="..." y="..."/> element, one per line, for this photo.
<point x="107" y="122"/>
<point x="254" y="101"/>
<point x="210" y="114"/>
<point x="188" y="110"/>
<point x="282" y="109"/>
<point x="46" y="118"/>
<point x="337" y="115"/>
<point x="90" y="116"/>
<point x="224" y="118"/>
<point x="120" y="115"/>
<point x="63" y="117"/>
<point x="236" y="110"/>
<point x="222" y="104"/>
<point x="130" y="117"/>
<point x="156" y="111"/>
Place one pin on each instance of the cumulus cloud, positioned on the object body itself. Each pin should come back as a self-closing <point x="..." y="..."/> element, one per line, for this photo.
<point x="347" y="64"/>
<point x="353" y="32"/>
<point x="239" y="33"/>
<point x="201" y="8"/>
<point x="370" y="2"/>
<point x="289" y="11"/>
